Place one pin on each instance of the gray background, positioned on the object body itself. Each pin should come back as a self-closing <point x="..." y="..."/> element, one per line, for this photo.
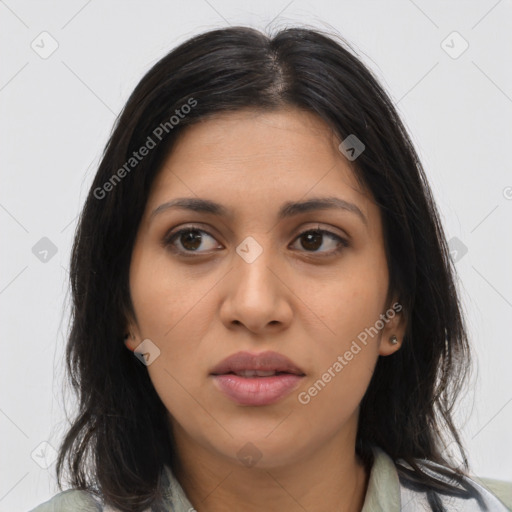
<point x="56" y="116"/>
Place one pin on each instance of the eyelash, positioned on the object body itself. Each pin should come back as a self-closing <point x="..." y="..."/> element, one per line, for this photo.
<point x="170" y="239"/>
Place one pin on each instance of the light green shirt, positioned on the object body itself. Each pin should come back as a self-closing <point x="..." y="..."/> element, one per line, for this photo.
<point x="385" y="493"/>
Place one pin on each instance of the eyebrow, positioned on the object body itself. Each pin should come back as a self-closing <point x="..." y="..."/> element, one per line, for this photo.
<point x="287" y="210"/>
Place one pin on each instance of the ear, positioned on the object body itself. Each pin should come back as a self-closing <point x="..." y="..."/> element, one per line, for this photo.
<point x="394" y="325"/>
<point x="131" y="336"/>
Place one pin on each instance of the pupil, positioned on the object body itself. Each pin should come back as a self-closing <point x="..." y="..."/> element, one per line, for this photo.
<point x="193" y="238"/>
<point x="311" y="238"/>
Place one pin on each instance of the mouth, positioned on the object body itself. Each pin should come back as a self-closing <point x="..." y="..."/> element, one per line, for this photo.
<point x="256" y="379"/>
<point x="263" y="364"/>
<point x="257" y="373"/>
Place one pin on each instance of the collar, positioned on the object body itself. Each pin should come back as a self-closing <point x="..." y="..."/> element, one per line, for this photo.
<point x="383" y="492"/>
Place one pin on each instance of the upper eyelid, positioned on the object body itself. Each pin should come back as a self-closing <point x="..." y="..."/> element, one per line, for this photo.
<point x="314" y="225"/>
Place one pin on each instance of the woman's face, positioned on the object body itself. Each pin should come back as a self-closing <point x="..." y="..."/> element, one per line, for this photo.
<point x="309" y="284"/>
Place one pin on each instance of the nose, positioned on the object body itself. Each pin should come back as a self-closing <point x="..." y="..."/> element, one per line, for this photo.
<point x="256" y="295"/>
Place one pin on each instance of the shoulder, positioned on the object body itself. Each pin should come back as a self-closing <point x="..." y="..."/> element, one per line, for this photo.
<point x="75" y="500"/>
<point x="479" y="498"/>
<point x="416" y="501"/>
<point x="70" y="501"/>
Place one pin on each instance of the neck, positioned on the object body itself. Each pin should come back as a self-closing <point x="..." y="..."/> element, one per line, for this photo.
<point x="332" y="477"/>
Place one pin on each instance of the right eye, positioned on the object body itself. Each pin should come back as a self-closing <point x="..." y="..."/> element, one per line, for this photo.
<point x="190" y="239"/>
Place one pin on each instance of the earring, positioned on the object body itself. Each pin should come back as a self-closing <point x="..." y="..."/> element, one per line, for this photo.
<point x="393" y="340"/>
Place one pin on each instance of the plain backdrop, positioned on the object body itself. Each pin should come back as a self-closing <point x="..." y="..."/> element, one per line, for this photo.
<point x="67" y="69"/>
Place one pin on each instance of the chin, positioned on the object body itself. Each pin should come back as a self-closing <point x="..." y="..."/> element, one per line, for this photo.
<point x="264" y="451"/>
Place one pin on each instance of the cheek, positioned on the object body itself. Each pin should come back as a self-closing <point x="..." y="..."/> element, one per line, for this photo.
<point x="165" y="297"/>
<point x="172" y="314"/>
<point x="333" y="397"/>
<point x="350" y="303"/>
<point x="347" y="340"/>
<point x="186" y="408"/>
<point x="345" y="355"/>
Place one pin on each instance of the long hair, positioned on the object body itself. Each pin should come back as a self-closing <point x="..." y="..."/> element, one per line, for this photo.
<point x="119" y="440"/>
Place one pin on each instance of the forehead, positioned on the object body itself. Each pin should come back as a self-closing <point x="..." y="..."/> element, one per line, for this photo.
<point x="253" y="159"/>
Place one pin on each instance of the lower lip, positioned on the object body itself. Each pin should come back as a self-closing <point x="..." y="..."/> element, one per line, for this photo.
<point x="257" y="390"/>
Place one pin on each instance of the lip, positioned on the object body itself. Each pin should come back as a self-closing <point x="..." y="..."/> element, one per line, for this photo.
<point x="256" y="391"/>
<point x="265" y="361"/>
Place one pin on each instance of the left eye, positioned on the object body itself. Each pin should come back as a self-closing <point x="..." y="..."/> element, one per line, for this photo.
<point x="191" y="238"/>
<point x="313" y="239"/>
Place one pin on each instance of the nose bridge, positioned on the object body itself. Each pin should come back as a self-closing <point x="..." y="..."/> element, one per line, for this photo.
<point x="255" y="296"/>
<point x="252" y="272"/>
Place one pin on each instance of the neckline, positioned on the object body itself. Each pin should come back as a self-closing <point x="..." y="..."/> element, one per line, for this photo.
<point x="382" y="493"/>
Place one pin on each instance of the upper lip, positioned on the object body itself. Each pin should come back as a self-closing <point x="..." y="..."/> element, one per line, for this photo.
<point x="265" y="361"/>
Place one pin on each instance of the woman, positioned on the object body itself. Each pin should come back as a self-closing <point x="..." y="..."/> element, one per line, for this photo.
<point x="264" y="308"/>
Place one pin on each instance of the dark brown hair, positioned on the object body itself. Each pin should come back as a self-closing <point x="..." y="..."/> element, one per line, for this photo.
<point x="119" y="441"/>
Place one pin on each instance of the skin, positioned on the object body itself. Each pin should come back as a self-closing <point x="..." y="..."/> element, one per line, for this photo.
<point x="294" y="298"/>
